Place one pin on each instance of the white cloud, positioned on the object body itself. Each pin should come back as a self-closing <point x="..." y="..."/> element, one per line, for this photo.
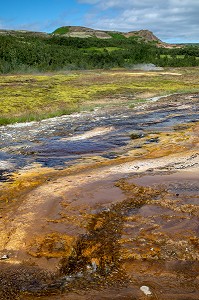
<point x="172" y="20"/>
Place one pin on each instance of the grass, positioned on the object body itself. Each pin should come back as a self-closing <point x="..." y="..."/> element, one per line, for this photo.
<point x="116" y="35"/>
<point x="177" y="56"/>
<point x="109" y="49"/>
<point x="61" y="30"/>
<point x="35" y="97"/>
<point x="169" y="56"/>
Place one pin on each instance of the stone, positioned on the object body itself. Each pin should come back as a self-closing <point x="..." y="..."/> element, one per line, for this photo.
<point x="5" y="256"/>
<point x="146" y="290"/>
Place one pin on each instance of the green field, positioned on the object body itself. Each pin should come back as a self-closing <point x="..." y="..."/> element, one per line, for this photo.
<point x="35" y="97"/>
<point x="177" y="56"/>
<point x="102" y="49"/>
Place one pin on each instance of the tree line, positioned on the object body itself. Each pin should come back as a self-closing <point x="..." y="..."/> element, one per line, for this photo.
<point x="28" y="53"/>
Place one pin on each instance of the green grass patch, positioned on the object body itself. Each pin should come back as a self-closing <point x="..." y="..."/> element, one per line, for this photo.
<point x="116" y="35"/>
<point x="37" y="117"/>
<point x="61" y="30"/>
<point x="102" y="49"/>
<point x="169" y="56"/>
<point x="177" y="56"/>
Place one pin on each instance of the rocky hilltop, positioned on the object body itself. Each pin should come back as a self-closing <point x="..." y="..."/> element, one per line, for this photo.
<point x="145" y="34"/>
<point x="84" y="32"/>
<point x="23" y="32"/>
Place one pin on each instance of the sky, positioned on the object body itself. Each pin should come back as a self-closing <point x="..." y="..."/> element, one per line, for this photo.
<point x="173" y="21"/>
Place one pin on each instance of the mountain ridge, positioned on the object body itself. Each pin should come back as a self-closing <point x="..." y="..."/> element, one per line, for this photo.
<point x="144" y="35"/>
<point x="81" y="31"/>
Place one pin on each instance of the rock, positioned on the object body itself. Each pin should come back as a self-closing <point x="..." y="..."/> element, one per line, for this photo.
<point x="152" y="140"/>
<point x="136" y="135"/>
<point x="146" y="290"/>
<point x="4" y="257"/>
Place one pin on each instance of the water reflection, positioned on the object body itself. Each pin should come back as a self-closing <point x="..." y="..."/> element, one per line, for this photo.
<point x="51" y="142"/>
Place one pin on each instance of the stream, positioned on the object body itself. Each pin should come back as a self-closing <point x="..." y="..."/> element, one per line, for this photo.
<point x="61" y="141"/>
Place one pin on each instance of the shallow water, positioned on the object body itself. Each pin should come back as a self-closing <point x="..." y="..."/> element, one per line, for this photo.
<point x="154" y="243"/>
<point x="51" y="142"/>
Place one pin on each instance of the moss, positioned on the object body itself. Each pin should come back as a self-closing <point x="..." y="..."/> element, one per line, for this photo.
<point x="35" y="97"/>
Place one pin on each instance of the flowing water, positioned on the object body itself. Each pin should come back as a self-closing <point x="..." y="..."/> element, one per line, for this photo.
<point x="59" y="141"/>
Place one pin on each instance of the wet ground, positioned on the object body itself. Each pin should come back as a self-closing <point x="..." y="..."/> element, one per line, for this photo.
<point x="112" y="212"/>
<point x="59" y="141"/>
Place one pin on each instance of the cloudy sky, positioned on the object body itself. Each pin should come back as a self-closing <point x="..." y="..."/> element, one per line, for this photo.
<point x="173" y="21"/>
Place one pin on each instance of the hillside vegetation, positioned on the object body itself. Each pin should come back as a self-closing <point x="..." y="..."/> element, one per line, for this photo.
<point x="27" y="52"/>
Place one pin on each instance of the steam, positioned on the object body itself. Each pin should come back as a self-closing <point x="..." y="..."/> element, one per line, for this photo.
<point x="146" y="67"/>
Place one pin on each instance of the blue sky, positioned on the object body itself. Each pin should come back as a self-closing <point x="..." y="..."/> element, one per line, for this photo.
<point x="172" y="20"/>
<point x="41" y="15"/>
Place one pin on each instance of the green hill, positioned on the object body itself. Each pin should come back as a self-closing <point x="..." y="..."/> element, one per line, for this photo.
<point x="85" y="32"/>
<point x="75" y="47"/>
